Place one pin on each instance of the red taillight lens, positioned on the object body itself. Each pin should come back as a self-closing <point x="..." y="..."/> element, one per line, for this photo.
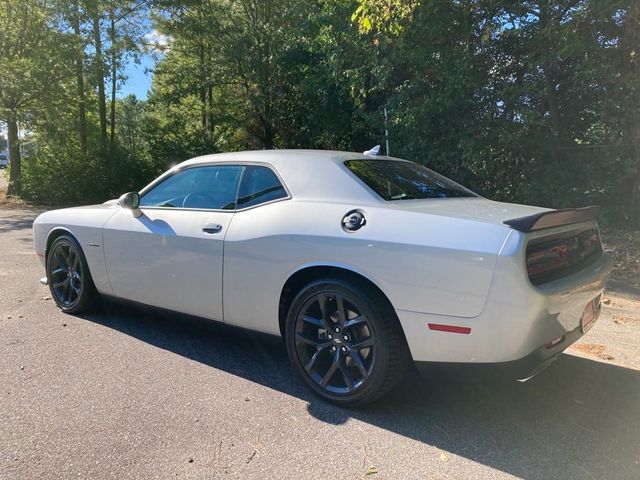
<point x="561" y="254"/>
<point x="544" y="259"/>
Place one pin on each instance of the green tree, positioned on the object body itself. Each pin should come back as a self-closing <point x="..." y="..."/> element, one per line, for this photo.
<point x="31" y="63"/>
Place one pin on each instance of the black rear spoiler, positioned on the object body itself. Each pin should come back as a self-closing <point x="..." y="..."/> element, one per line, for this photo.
<point x="553" y="218"/>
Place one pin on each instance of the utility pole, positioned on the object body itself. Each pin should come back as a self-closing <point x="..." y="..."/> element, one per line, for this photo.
<point x="386" y="132"/>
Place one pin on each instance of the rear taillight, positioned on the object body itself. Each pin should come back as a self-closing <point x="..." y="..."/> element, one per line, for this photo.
<point x="558" y="255"/>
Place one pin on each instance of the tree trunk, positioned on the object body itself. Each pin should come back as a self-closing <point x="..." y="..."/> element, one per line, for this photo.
<point x="268" y="134"/>
<point x="15" y="162"/>
<point x="203" y="108"/>
<point x="203" y="88"/>
<point x="210" y="112"/>
<point x="102" y="103"/>
<point x="79" y="67"/>
<point x="630" y="68"/>
<point x="114" y="76"/>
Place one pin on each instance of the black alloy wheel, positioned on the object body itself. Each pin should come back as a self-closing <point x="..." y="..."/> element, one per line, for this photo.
<point x="68" y="275"/>
<point x="345" y="342"/>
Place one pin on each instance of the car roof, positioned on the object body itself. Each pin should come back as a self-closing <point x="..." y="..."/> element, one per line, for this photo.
<point x="279" y="157"/>
<point x="308" y="174"/>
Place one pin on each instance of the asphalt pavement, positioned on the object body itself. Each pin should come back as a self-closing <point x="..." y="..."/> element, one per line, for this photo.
<point x="126" y="393"/>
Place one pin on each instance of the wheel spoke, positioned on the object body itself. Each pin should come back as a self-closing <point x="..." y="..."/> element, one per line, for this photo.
<point x="58" y="271"/>
<point x="354" y="322"/>
<point x="313" y="321"/>
<point x="70" y="256"/>
<point x="345" y="375"/>
<point x="312" y="360"/>
<point x="322" y="301"/>
<point x="62" y="283"/>
<point x="342" y="315"/>
<point x="300" y="338"/>
<point x="76" y="262"/>
<point x="332" y="369"/>
<point x="60" y="259"/>
<point x="366" y="343"/>
<point x="357" y="359"/>
<point x="65" y="293"/>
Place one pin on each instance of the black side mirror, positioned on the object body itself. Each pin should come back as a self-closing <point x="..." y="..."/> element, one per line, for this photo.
<point x="131" y="201"/>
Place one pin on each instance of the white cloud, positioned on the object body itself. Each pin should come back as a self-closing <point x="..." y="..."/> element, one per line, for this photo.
<point x="156" y="42"/>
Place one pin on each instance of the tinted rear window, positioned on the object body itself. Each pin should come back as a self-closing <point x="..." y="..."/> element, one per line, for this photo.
<point x="397" y="180"/>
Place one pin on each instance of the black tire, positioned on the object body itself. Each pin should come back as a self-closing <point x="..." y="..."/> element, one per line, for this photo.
<point x="68" y="276"/>
<point x="364" y="358"/>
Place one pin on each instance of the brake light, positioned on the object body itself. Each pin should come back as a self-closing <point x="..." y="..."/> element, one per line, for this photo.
<point x="551" y="257"/>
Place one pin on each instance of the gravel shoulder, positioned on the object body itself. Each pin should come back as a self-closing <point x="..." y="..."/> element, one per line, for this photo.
<point x="126" y="393"/>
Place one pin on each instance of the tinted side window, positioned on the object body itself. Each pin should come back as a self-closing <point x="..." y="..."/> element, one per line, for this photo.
<point x="259" y="185"/>
<point x="211" y="187"/>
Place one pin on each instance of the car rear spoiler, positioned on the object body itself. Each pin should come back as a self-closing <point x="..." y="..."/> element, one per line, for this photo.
<point x="553" y="218"/>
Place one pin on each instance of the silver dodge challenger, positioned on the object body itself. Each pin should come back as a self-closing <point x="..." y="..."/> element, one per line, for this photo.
<point x="362" y="262"/>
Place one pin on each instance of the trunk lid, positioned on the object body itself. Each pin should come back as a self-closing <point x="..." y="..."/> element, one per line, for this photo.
<point x="476" y="209"/>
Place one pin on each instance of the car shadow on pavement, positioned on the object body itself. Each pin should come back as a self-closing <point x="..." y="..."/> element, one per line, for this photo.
<point x="16" y="223"/>
<point x="578" y="419"/>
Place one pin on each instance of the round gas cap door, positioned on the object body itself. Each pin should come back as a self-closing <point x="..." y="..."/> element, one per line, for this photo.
<point x="353" y="220"/>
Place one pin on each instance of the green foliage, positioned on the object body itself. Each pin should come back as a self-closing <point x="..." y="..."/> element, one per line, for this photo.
<point x="531" y="101"/>
<point x="57" y="174"/>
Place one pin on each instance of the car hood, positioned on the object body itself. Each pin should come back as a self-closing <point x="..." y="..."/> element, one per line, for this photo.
<point x="476" y="209"/>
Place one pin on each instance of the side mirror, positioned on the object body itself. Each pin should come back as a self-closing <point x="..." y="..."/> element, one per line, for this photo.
<point x="131" y="201"/>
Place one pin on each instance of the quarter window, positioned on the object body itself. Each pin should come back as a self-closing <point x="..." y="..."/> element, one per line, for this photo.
<point x="210" y="187"/>
<point x="259" y="185"/>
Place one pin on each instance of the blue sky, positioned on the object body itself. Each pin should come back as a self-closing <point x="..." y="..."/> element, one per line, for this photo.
<point x="139" y="74"/>
<point x="138" y="78"/>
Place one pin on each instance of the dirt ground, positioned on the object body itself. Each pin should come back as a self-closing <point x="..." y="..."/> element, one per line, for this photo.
<point x="624" y="247"/>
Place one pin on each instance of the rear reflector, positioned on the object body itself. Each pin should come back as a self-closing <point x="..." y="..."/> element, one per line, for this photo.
<point x="449" y="328"/>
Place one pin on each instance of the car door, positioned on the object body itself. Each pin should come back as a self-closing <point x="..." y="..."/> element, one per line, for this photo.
<point x="254" y="255"/>
<point x="171" y="256"/>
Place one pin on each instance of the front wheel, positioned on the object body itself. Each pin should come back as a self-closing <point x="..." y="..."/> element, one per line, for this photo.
<point x="345" y="341"/>
<point x="68" y="276"/>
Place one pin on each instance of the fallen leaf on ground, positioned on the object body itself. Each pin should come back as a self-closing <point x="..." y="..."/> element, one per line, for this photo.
<point x="371" y="471"/>
<point x="443" y="457"/>
<point x="594" y="349"/>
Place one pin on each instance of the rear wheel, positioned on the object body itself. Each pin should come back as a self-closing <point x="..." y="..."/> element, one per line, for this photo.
<point x="345" y="342"/>
<point x="68" y="276"/>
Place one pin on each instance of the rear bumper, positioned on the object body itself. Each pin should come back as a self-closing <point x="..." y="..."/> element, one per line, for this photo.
<point x="521" y="369"/>
<point x="517" y="320"/>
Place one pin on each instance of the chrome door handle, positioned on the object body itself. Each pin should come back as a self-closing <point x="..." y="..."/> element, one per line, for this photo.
<point x="212" y="228"/>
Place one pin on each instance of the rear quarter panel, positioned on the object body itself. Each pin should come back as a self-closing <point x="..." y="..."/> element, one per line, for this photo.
<point x="423" y="263"/>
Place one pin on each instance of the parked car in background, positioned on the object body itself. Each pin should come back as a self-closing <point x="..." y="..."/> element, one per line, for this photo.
<point x="363" y="263"/>
<point x="4" y="153"/>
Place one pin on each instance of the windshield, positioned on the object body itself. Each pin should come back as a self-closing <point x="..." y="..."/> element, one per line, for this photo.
<point x="400" y="180"/>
